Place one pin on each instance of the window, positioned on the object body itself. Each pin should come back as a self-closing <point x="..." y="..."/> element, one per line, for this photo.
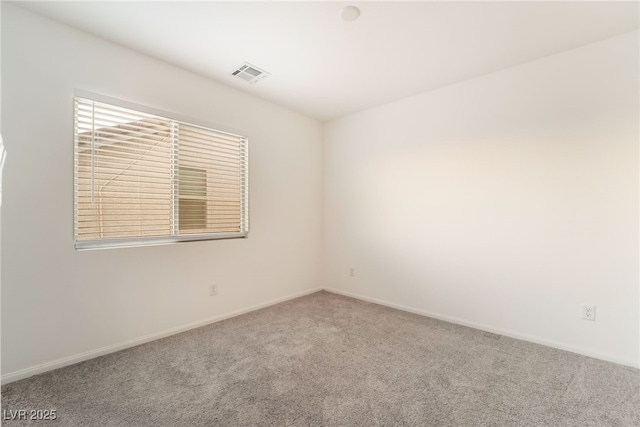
<point x="142" y="178"/>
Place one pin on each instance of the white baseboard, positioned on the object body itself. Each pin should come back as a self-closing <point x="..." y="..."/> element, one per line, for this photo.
<point x="505" y="332"/>
<point x="66" y="361"/>
<point x="49" y="366"/>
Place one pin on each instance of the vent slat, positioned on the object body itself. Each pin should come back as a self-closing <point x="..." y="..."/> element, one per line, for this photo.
<point x="250" y="73"/>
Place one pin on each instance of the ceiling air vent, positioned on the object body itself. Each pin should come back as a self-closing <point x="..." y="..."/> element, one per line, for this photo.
<point x="250" y="73"/>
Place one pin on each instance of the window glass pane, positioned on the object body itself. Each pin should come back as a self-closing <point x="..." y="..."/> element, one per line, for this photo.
<point x="210" y="163"/>
<point x="123" y="176"/>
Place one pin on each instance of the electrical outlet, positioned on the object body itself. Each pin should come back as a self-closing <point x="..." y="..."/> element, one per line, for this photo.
<point x="213" y="290"/>
<point x="352" y="272"/>
<point x="589" y="312"/>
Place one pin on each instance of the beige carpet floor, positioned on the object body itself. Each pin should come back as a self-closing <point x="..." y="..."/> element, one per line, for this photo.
<point x="328" y="360"/>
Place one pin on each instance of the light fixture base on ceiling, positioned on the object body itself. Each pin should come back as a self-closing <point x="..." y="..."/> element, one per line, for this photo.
<point x="349" y="13"/>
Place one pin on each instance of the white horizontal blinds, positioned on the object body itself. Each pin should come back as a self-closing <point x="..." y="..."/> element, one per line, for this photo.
<point x="211" y="180"/>
<point x="142" y="178"/>
<point x="123" y="173"/>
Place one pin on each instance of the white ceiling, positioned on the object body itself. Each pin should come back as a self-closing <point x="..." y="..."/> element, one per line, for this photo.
<point x="324" y="67"/>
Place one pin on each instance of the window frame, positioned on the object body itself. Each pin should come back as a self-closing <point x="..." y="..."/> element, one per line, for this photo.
<point x="123" y="242"/>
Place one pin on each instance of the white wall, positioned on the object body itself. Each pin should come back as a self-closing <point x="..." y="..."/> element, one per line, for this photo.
<point x="58" y="303"/>
<point x="503" y="202"/>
